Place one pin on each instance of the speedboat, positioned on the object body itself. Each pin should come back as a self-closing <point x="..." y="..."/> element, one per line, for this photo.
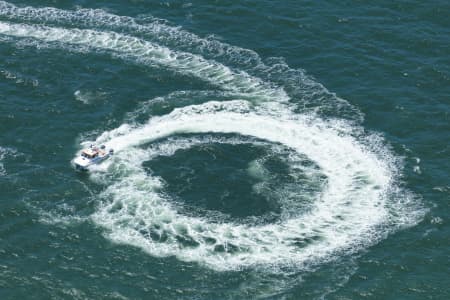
<point x="92" y="156"/>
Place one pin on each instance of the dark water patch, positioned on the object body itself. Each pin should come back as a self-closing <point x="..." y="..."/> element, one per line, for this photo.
<point x="214" y="177"/>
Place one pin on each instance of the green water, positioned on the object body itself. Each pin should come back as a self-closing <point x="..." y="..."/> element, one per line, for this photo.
<point x="263" y="150"/>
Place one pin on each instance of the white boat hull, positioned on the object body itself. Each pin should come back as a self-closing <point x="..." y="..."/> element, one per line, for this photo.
<point x="83" y="162"/>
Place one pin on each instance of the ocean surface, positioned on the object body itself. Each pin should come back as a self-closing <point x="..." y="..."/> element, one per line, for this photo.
<point x="263" y="149"/>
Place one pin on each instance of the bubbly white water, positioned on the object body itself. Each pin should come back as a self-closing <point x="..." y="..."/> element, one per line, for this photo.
<point x="151" y="54"/>
<point x="358" y="205"/>
<point x="314" y="96"/>
<point x="345" y="215"/>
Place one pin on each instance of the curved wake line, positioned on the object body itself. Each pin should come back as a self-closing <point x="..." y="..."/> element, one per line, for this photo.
<point x="155" y="30"/>
<point x="313" y="95"/>
<point x="152" y="54"/>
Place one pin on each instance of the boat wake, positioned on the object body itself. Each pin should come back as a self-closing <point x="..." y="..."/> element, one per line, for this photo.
<point x="359" y="200"/>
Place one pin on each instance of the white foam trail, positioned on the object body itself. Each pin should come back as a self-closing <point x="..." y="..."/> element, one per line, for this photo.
<point x="346" y="215"/>
<point x="156" y="30"/>
<point x="152" y="54"/>
<point x="311" y="94"/>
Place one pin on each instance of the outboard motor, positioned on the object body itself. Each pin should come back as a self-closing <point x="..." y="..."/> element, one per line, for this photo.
<point x="111" y="151"/>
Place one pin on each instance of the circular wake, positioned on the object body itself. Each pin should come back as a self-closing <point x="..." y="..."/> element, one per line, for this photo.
<point x="345" y="214"/>
<point x="353" y="200"/>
